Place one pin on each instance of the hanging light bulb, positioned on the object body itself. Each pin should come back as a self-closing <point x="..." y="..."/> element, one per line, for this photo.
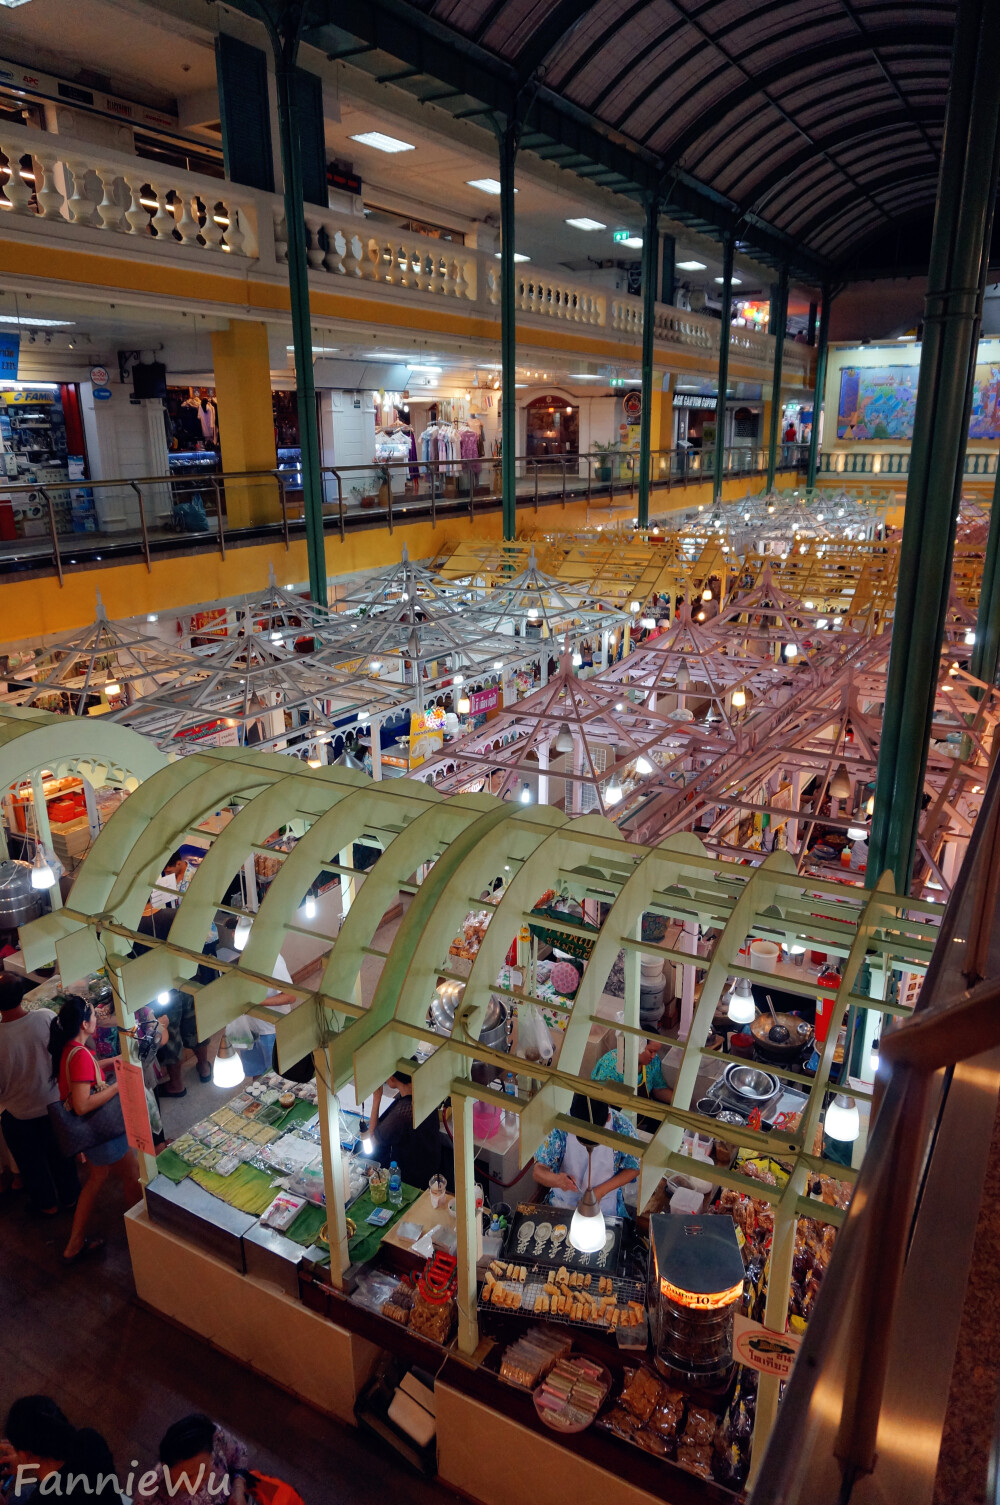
<point x="112" y="687"/>
<point x="586" y="1230"/>
<point x="613" y="792"/>
<point x="643" y="766"/>
<point x="376" y="665"/>
<point x="525" y="795"/>
<point x="683" y="677"/>
<point x="242" y="932"/>
<point x="649" y="623"/>
<point x="275" y="637"/>
<point x="706" y="594"/>
<point x="577" y="660"/>
<point x="870" y="806"/>
<point x="162" y="999"/>
<point x="742" y="1009"/>
<point x="739" y="699"/>
<point x="367" y="1142"/>
<point x="791" y="650"/>
<point x="857" y="833"/>
<point x="498" y="665"/>
<point x="840" y="784"/>
<point x="843" y="1121"/>
<point x="464" y="705"/>
<point x="808" y="605"/>
<point x="532" y="613"/>
<point x="634" y="608"/>
<point x="874" y="1060"/>
<point x="970" y="638"/>
<point x="227" y="1068"/>
<point x="309" y="907"/>
<point x="42" y="875"/>
<point x="564" y="741"/>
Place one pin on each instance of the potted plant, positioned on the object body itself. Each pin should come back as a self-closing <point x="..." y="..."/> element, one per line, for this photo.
<point x="383" y="478"/>
<point x="609" y="449"/>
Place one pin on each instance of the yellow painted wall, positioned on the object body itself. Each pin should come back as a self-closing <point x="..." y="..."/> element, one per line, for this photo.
<point x="40" y="607"/>
<point x="246" y="421"/>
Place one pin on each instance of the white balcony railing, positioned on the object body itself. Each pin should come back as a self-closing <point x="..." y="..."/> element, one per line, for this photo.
<point x="79" y="194"/>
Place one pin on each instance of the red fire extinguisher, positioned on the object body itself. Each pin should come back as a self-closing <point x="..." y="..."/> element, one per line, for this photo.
<point x="828" y="978"/>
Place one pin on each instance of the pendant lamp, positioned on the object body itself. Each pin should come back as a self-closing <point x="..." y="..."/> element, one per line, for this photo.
<point x="586" y="1230"/>
<point x="227" y="1069"/>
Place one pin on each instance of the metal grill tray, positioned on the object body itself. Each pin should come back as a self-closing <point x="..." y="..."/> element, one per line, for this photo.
<point x="537" y="1279"/>
<point x="548" y="1256"/>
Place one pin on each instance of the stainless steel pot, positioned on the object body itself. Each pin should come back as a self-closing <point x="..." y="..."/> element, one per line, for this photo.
<point x="19" y="902"/>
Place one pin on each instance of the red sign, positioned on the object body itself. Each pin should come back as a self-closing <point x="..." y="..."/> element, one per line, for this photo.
<point x="484" y="700"/>
<point x="135" y="1109"/>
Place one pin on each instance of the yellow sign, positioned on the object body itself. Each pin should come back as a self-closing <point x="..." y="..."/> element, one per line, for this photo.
<point x="426" y="737"/>
<point x="31" y="397"/>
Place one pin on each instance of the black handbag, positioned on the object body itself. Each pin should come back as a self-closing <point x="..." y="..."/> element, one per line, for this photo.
<point x="76" y="1133"/>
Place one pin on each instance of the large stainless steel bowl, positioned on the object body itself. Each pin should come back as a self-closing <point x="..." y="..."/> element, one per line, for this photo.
<point x="751" y="1083"/>
<point x="19" y="902"/>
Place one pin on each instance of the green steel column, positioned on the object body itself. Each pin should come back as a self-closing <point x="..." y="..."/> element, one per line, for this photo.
<point x="508" y="328"/>
<point x="298" y="289"/>
<point x="724" y="336"/>
<point x="963" y="223"/>
<point x="986" y="653"/>
<point x="649" y="258"/>
<point x="818" y="385"/>
<point x="779" y="320"/>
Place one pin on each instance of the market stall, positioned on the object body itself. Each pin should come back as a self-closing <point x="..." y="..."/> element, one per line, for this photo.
<point x="331" y="1325"/>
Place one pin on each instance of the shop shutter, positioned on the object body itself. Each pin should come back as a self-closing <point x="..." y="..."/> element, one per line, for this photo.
<point x="312" y="138"/>
<point x="246" y="113"/>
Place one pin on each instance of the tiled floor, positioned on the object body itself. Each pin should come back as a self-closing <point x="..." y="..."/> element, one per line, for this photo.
<point x="79" y="1336"/>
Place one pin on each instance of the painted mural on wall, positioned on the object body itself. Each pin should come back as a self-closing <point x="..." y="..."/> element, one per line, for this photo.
<point x="879" y="402"/>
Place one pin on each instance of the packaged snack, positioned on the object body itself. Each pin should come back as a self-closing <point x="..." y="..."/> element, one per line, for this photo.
<point x="282" y="1212"/>
<point x="226" y="1164"/>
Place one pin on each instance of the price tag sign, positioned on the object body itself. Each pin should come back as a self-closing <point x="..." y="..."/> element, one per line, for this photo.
<point x="758" y="1347"/>
<point x="135" y="1110"/>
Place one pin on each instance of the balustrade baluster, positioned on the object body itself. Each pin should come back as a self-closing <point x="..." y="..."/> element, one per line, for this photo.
<point x="50" y="198"/>
<point x="81" y="208"/>
<point x="163" y="220"/>
<point x="187" y="225"/>
<point x="315" y="255"/>
<point x="212" y="231"/>
<point x="280" y="236"/>
<point x="136" y="213"/>
<point x="353" y="256"/>
<point x="234" y="236"/>
<point x="18" y="192"/>
<point x="336" y="246"/>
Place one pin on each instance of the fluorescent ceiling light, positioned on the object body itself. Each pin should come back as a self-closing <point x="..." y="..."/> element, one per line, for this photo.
<point x="634" y="242"/>
<point x="383" y="355"/>
<point x="736" y="281"/>
<point x="12" y="4"/>
<point x="583" y="376"/>
<point x="518" y="256"/>
<point x="317" y="349"/>
<point x="382" y="142"/>
<point x="906" y="337"/>
<point x="485" y="185"/>
<point x="691" y="266"/>
<point x="583" y="223"/>
<point x="431" y="370"/>
<point x="33" y="323"/>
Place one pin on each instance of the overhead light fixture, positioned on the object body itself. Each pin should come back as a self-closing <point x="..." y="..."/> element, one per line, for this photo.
<point x="634" y="608"/>
<point x="690" y="266"/>
<point x="485" y="185"/>
<point x="808" y="605"/>
<point x="613" y="793"/>
<point x="309" y="907"/>
<point x="275" y="637"/>
<point x="525" y="795"/>
<point x="683" y="677"/>
<point x="870" y="804"/>
<point x="464" y="705"/>
<point x="970" y="638"/>
<point x="843" y="1121"/>
<point x="583" y="376"/>
<point x="532" y="613"/>
<point x="381" y="142"/>
<point x="633" y="242"/>
<point x="564" y="743"/>
<point x="857" y="833"/>
<point x="112" y="687"/>
<point x="586" y="1230"/>
<point x="741" y="1009"/>
<point x="42" y="875"/>
<point x="242" y="932"/>
<point x="314" y="762"/>
<point x="840" y="784"/>
<point x="33" y="323"/>
<point x="518" y="256"/>
<point x="648" y="623"/>
<point x="643" y="766"/>
<point x="367" y="1142"/>
<point x="498" y="665"/>
<point x="162" y="999"/>
<point x="739" y="699"/>
<point x="706" y="595"/>
<point x="733" y="281"/>
<point x="577" y="660"/>
<point x="791" y="650"/>
<point x="585" y="223"/>
<point x="227" y="1068"/>
<point x="430" y="370"/>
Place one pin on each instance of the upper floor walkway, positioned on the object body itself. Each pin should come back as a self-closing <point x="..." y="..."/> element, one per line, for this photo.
<point x="77" y="216"/>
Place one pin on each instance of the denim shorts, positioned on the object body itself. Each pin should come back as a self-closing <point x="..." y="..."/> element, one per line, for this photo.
<point x="108" y="1153"/>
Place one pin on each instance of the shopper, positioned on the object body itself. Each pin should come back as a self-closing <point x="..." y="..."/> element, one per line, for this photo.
<point x="178" y="1011"/>
<point x="416" y="1149"/>
<point x="37" y="1439"/>
<point x="26" y="1089"/>
<point x="199" y="1463"/>
<point x="651" y="1079"/>
<point x="566" y="1161"/>
<point x="82" y="1088"/>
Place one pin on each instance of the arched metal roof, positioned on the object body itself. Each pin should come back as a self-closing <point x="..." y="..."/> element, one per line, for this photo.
<point x="813" y="124"/>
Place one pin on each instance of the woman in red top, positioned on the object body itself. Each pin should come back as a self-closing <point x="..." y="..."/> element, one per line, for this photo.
<point x="83" y="1088"/>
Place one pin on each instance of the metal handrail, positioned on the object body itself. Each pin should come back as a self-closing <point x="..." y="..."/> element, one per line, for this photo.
<point x="614" y="472"/>
<point x="849" y="1362"/>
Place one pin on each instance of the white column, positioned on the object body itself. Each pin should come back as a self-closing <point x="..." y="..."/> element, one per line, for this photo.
<point x="347" y="882"/>
<point x="631" y="1009"/>
<point x="543" y="776"/>
<point x="333" y="1168"/>
<point x="376" y="749"/>
<point x="688" y="942"/>
<point x="468" y="1223"/>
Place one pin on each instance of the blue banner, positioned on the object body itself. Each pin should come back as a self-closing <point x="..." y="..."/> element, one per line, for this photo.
<point x="10" y="350"/>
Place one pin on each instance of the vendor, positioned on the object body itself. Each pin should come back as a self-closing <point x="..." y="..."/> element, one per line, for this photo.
<point x="651" y="1079"/>
<point x="562" y="1162"/>
<point x="416" y="1148"/>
